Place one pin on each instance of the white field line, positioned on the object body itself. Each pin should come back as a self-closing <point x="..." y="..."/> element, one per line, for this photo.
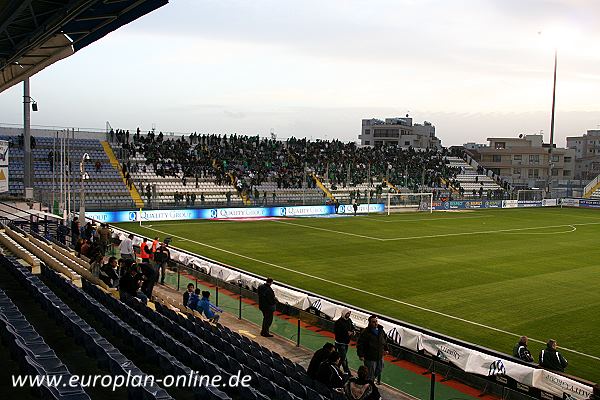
<point x="441" y="235"/>
<point x="329" y="230"/>
<point x="366" y="292"/>
<point x="491" y="232"/>
<point x="573" y="229"/>
<point x="423" y="219"/>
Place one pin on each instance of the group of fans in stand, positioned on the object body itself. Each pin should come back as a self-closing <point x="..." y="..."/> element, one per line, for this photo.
<point x="130" y="277"/>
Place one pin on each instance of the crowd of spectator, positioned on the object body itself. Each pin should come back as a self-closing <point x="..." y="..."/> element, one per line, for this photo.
<point x="248" y="161"/>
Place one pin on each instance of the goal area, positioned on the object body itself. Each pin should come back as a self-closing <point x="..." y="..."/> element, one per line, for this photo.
<point x="530" y="195"/>
<point x="406" y="202"/>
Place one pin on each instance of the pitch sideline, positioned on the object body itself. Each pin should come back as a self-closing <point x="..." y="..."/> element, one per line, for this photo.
<point x="370" y="293"/>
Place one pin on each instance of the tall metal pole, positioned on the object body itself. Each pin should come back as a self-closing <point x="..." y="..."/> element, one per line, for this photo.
<point x="62" y="173"/>
<point x="552" y="125"/>
<point x="27" y="173"/>
<point x="53" y="170"/>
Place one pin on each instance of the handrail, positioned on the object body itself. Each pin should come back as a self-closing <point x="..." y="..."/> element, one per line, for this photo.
<point x="588" y="190"/>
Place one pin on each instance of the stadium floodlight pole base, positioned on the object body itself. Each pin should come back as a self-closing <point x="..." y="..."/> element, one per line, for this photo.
<point x="399" y="202"/>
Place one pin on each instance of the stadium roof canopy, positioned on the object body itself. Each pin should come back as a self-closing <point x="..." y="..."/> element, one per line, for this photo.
<point x="37" y="33"/>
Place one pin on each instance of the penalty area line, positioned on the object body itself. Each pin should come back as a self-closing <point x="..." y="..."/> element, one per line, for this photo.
<point x="367" y="292"/>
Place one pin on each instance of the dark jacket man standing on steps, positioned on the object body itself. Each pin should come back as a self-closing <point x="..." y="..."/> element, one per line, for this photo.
<point x="266" y="304"/>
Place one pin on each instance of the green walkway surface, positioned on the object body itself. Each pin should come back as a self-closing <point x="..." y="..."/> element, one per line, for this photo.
<point x="405" y="380"/>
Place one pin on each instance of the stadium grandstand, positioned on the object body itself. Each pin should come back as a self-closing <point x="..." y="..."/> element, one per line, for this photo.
<point x="205" y="266"/>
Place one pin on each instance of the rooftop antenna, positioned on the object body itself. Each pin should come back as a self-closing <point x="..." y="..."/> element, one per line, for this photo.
<point x="273" y="135"/>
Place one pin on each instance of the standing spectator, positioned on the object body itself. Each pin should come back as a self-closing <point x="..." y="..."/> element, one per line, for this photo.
<point x="145" y="251"/>
<point x="104" y="235"/>
<point x="162" y="257"/>
<point x="551" y="359"/>
<point x="521" y="351"/>
<point x="329" y="371"/>
<point x="75" y="231"/>
<point x="155" y="244"/>
<point x="319" y="357"/>
<point x="343" y="330"/>
<point x="149" y="278"/>
<point x="371" y="347"/>
<point x="361" y="387"/>
<point x="266" y="304"/>
<point x="126" y="248"/>
<point x="188" y="293"/>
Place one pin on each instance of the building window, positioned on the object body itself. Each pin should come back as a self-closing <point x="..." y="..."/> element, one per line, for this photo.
<point x="555" y="158"/>
<point x="393" y="133"/>
<point x="534" y="173"/>
<point x="367" y="131"/>
<point x="554" y="172"/>
<point x="407" y="143"/>
<point x="500" y="145"/>
<point x="518" y="157"/>
<point x="516" y="171"/>
<point x="367" y="142"/>
<point x="496" y="158"/>
<point x="534" y="158"/>
<point x="378" y="142"/>
<point x="566" y="172"/>
<point x="567" y="159"/>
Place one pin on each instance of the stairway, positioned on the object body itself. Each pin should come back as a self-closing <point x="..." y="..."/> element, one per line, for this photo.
<point x="135" y="195"/>
<point x="322" y="187"/>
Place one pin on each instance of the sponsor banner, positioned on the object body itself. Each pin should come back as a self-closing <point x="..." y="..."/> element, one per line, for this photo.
<point x="445" y="351"/>
<point x="529" y="203"/>
<point x="493" y="204"/>
<point x="227" y="213"/>
<point x="411" y="339"/>
<point x="3" y="179"/>
<point x="362" y="208"/>
<point x="300" y="211"/>
<point x="570" y="202"/>
<point x="561" y="386"/>
<point x="487" y="365"/>
<point x="291" y="297"/>
<point x="510" y="203"/>
<point x="589" y="203"/>
<point x="549" y="202"/>
<point x="462" y="204"/>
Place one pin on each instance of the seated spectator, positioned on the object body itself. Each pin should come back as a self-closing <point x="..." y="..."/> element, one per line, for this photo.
<point x="521" y="351"/>
<point x="78" y="245"/>
<point x="551" y="359"/>
<point x="108" y="272"/>
<point x="360" y="387"/>
<point x="329" y="371"/>
<point x="319" y="357"/>
<point x="194" y="299"/>
<point x="85" y="248"/>
<point x="130" y="284"/>
<point x="188" y="293"/>
<point x="209" y="309"/>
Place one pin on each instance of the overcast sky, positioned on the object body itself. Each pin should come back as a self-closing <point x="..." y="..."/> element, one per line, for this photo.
<point x="474" y="68"/>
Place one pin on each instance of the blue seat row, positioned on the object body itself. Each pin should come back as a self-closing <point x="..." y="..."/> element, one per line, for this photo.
<point x="270" y="372"/>
<point x="250" y="353"/>
<point x="109" y="357"/>
<point x="34" y="355"/>
<point x="168" y="364"/>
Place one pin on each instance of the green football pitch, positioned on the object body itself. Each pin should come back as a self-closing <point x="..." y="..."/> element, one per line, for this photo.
<point x="481" y="276"/>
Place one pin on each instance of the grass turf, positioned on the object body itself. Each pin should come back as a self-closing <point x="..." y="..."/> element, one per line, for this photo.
<point x="529" y="272"/>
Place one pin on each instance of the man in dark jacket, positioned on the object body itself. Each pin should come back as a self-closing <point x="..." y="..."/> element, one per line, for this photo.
<point x="521" y="351"/>
<point x="266" y="304"/>
<point x="161" y="258"/>
<point x="329" y="372"/>
<point x="343" y="329"/>
<point x="361" y="388"/>
<point x="551" y="359"/>
<point x="188" y="293"/>
<point x="371" y="347"/>
<point x="319" y="357"/>
<point x="130" y="284"/>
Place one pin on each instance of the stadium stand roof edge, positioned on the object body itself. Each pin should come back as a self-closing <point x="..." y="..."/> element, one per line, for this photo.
<point x="35" y="33"/>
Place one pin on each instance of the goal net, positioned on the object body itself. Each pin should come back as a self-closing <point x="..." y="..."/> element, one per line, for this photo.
<point x="403" y="202"/>
<point x="530" y="195"/>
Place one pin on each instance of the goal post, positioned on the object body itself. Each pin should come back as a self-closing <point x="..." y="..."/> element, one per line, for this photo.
<point x="404" y="202"/>
<point x="530" y="195"/>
